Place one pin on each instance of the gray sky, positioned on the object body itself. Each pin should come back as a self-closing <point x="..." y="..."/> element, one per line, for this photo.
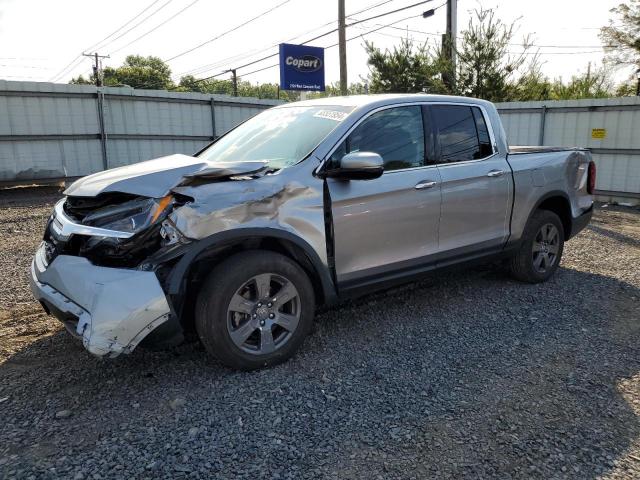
<point x="38" y="38"/>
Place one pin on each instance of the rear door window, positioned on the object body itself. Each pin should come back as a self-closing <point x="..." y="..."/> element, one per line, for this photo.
<point x="484" y="139"/>
<point x="462" y="133"/>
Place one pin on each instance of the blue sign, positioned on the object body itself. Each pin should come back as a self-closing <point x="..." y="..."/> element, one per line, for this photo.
<point x="301" y="67"/>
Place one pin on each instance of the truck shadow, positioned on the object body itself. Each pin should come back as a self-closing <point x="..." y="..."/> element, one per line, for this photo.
<point x="465" y="375"/>
<point x="617" y="236"/>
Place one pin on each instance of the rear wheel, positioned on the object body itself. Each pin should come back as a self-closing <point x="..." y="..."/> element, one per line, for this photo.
<point x="539" y="255"/>
<point x="255" y="309"/>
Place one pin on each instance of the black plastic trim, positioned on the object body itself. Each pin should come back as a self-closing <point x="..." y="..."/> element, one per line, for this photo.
<point x="179" y="272"/>
<point x="412" y="270"/>
<point x="580" y="222"/>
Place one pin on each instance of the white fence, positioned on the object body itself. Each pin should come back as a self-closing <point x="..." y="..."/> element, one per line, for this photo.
<point x="609" y="127"/>
<point x="54" y="131"/>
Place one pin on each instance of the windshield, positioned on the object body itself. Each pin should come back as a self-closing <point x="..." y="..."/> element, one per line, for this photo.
<point x="282" y="136"/>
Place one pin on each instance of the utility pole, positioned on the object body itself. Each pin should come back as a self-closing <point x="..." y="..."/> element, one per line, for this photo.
<point x="342" y="47"/>
<point x="97" y="66"/>
<point x="449" y="41"/>
<point x="234" y="79"/>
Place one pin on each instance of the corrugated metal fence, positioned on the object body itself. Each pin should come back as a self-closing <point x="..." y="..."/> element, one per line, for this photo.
<point x="609" y="127"/>
<point x="53" y="131"/>
<point x="56" y="131"/>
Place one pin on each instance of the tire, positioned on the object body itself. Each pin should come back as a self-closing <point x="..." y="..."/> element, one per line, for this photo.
<point x="248" y="315"/>
<point x="544" y="234"/>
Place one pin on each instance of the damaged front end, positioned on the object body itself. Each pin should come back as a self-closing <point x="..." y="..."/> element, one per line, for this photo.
<point x="108" y="261"/>
<point x="92" y="271"/>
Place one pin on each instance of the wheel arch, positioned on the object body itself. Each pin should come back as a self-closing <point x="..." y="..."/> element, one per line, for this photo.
<point x="557" y="202"/>
<point x="210" y="251"/>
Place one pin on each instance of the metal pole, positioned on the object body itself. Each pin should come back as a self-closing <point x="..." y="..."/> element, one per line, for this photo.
<point x="342" y="47"/>
<point x="543" y="118"/>
<point x="213" y="119"/>
<point x="96" y="70"/>
<point x="103" y="133"/>
<point x="452" y="32"/>
<point x="234" y="78"/>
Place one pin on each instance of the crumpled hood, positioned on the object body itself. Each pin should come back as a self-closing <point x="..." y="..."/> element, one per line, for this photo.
<point x="155" y="178"/>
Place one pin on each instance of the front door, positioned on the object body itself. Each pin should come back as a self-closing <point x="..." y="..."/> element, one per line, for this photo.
<point x="388" y="224"/>
<point x="476" y="182"/>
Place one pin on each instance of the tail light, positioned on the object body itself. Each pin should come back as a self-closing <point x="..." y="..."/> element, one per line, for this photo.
<point x="591" y="178"/>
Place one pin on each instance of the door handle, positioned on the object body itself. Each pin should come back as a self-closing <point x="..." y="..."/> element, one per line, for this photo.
<point x="426" y="184"/>
<point x="495" y="173"/>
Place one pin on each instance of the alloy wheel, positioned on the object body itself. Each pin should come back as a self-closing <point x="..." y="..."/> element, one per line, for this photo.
<point x="545" y="248"/>
<point x="263" y="314"/>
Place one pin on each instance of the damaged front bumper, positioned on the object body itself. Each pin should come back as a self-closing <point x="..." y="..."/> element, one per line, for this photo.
<point x="111" y="309"/>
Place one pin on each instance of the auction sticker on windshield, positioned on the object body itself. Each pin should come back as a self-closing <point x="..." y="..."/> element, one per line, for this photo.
<point x="331" y="115"/>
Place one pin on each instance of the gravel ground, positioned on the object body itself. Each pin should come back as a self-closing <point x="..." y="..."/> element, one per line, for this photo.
<point x="465" y="374"/>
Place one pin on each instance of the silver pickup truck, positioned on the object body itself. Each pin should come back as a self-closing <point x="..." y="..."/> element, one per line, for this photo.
<point x="304" y="204"/>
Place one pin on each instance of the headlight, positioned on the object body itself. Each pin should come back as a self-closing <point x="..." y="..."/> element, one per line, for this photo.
<point x="132" y="216"/>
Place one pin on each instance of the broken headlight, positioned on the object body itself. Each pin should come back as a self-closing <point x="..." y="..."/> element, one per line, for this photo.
<point x="132" y="216"/>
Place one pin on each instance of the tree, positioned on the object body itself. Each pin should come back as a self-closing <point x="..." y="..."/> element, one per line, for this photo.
<point x="136" y="72"/>
<point x="333" y="90"/>
<point x="622" y="35"/>
<point x="189" y="83"/>
<point x="589" y="85"/>
<point x="405" y="69"/>
<point x="80" y="80"/>
<point x="531" y="85"/>
<point x="485" y="67"/>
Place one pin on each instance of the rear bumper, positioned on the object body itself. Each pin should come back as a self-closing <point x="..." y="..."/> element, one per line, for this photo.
<point x="111" y="309"/>
<point x="579" y="223"/>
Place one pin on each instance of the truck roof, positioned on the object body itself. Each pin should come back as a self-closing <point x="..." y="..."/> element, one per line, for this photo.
<point x="381" y="100"/>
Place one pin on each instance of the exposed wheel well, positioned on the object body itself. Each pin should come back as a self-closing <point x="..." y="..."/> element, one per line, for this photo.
<point x="207" y="260"/>
<point x="561" y="207"/>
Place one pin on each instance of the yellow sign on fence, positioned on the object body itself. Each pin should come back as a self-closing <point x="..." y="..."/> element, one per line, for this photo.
<point x="598" y="133"/>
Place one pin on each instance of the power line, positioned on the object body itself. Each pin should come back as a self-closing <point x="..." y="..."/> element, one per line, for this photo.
<point x="349" y="39"/>
<point x="96" y="45"/>
<point x="78" y="60"/>
<point x="555" y="53"/>
<point x="70" y="66"/>
<point x="511" y="44"/>
<point x="243" y="55"/>
<point x="34" y="67"/>
<point x="366" y="9"/>
<point x="511" y="53"/>
<point x="227" y="32"/>
<point x="137" y="24"/>
<point x="156" y="27"/>
<point x="324" y="35"/>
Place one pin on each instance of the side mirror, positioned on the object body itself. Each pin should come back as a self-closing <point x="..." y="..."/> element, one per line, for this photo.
<point x="358" y="166"/>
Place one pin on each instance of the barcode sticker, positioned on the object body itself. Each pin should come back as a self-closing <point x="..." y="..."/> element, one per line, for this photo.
<point x="331" y="115"/>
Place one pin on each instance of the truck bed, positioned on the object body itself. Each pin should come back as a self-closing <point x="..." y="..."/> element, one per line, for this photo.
<point x="518" y="150"/>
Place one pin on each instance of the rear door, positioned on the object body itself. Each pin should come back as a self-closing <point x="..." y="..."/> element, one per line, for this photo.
<point x="388" y="224"/>
<point x="476" y="181"/>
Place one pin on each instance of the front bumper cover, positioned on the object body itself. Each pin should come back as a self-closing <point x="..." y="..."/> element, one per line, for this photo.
<point x="112" y="309"/>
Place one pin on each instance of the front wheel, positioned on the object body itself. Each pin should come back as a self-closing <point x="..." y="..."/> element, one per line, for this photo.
<point x="255" y="309"/>
<point x="539" y="255"/>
